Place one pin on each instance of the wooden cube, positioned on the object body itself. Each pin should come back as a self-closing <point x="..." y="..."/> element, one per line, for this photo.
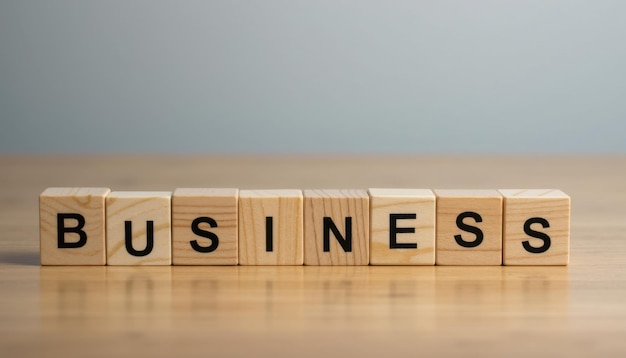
<point x="71" y="226"/>
<point x="204" y="226"/>
<point x="536" y="227"/>
<point x="469" y="227"/>
<point x="336" y="227"/>
<point x="402" y="223"/>
<point x="138" y="228"/>
<point x="270" y="227"/>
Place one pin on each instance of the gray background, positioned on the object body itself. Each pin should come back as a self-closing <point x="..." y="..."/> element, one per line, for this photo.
<point x="313" y="76"/>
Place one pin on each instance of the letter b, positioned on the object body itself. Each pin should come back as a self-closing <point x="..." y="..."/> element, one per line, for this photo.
<point x="62" y="230"/>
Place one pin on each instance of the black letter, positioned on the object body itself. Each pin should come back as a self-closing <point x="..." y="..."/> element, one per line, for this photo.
<point x="61" y="230"/>
<point x="195" y="227"/>
<point x="394" y="230"/>
<point x="269" y="228"/>
<point x="537" y="234"/>
<point x="346" y="243"/>
<point x="473" y="229"/>
<point x="128" y="233"/>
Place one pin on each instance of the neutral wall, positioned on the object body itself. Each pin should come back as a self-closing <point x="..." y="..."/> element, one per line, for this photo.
<point x="313" y="76"/>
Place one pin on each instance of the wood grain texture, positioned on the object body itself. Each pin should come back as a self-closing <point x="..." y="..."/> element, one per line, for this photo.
<point x="284" y="207"/>
<point x="217" y="204"/>
<point x="550" y="205"/>
<point x="86" y="202"/>
<point x="488" y="205"/>
<point x="141" y="209"/>
<point x="418" y="202"/>
<point x="320" y="311"/>
<point x="339" y="206"/>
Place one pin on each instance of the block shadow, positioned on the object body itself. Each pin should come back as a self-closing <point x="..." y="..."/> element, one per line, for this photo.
<point x="20" y="258"/>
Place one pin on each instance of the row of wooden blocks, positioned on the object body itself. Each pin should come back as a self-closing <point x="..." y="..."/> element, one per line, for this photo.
<point x="94" y="226"/>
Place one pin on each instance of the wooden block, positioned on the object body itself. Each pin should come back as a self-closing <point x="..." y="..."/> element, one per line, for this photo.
<point x="536" y="227"/>
<point x="204" y="226"/>
<point x="336" y="227"/>
<point x="402" y="223"/>
<point x="469" y="227"/>
<point x="71" y="226"/>
<point x="270" y="227"/>
<point x="138" y="228"/>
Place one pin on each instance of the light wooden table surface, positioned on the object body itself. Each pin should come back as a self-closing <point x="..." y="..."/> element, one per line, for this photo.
<point x="579" y="310"/>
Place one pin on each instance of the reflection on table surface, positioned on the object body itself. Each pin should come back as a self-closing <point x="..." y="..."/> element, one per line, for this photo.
<point x="297" y="298"/>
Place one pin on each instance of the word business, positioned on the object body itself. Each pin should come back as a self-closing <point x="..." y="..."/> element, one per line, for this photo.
<point x="94" y="226"/>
